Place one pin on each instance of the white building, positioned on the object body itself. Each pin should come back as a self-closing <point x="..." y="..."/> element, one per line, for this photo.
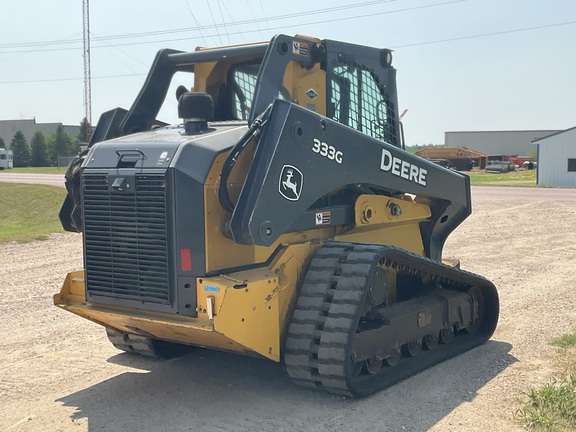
<point x="557" y="159"/>
<point x="509" y="143"/>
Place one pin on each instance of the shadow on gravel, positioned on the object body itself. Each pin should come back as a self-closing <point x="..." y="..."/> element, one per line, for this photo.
<point x="215" y="391"/>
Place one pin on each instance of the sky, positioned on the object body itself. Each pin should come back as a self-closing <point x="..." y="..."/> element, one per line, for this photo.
<point x="462" y="65"/>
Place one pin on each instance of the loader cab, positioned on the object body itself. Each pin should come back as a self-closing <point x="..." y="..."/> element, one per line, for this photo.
<point x="351" y="84"/>
<point x="233" y="97"/>
<point x="243" y="87"/>
<point x="357" y="89"/>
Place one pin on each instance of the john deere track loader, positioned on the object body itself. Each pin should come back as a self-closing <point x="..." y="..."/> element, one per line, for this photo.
<point x="281" y="218"/>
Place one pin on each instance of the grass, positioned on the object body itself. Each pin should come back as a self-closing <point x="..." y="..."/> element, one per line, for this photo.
<point x="553" y="407"/>
<point x="29" y="212"/>
<point x="565" y="341"/>
<point x="37" y="170"/>
<point x="514" y="178"/>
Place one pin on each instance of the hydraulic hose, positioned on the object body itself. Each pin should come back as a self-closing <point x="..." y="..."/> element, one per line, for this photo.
<point x="232" y="158"/>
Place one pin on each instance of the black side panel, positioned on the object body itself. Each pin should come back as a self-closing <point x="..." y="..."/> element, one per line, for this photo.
<point x="108" y="126"/>
<point x="150" y="99"/>
<point x="281" y="51"/>
<point x="70" y="215"/>
<point x="142" y="114"/>
<point x="303" y="156"/>
<point x="189" y="239"/>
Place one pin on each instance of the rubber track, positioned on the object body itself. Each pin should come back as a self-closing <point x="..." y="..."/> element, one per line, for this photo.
<point x="145" y="346"/>
<point x="132" y="344"/>
<point x="317" y="349"/>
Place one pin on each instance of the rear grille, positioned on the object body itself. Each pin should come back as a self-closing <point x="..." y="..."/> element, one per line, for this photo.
<point x="126" y="240"/>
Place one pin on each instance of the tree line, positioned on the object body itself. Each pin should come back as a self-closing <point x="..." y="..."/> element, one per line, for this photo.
<point x="45" y="150"/>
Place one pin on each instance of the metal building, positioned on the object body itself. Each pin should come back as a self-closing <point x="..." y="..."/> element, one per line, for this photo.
<point x="557" y="159"/>
<point x="29" y="127"/>
<point x="496" y="142"/>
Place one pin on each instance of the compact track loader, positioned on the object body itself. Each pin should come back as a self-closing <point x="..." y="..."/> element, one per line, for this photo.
<point x="281" y="218"/>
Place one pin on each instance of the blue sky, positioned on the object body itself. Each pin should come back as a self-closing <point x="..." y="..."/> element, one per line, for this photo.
<point x="462" y="64"/>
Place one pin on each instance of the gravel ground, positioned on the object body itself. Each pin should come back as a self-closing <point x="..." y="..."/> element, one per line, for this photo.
<point x="59" y="373"/>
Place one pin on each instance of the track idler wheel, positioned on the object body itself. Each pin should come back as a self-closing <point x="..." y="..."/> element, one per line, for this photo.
<point x="414" y="348"/>
<point x="446" y="335"/>
<point x="478" y="309"/>
<point x="394" y="358"/>
<point x="373" y="365"/>
<point x="431" y="341"/>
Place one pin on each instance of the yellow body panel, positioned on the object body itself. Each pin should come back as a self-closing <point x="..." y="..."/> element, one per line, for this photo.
<point x="221" y="251"/>
<point x="299" y="81"/>
<point x="251" y="308"/>
<point x="165" y="326"/>
<point x="248" y="311"/>
<point x="201" y="72"/>
<point x="385" y="220"/>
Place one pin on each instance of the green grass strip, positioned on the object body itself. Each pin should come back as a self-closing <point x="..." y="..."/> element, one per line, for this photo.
<point x="515" y="178"/>
<point x="29" y="212"/>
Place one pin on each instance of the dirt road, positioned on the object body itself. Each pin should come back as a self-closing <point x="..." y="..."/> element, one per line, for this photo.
<point x="59" y="373"/>
<point x="47" y="179"/>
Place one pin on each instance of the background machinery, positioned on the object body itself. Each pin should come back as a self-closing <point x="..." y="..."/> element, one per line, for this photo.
<point x="280" y="219"/>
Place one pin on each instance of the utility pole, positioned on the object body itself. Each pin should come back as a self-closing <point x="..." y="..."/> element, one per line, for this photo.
<point x="87" y="76"/>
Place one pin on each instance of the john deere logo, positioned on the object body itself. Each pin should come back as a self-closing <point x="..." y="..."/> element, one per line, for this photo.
<point x="290" y="183"/>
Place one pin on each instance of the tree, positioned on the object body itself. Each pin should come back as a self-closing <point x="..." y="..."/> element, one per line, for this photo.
<point x="84" y="128"/>
<point x="74" y="145"/>
<point x="2" y="144"/>
<point x="20" y="150"/>
<point x="38" y="151"/>
<point x="60" y="145"/>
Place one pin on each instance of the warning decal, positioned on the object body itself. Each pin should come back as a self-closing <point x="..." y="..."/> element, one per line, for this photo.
<point x="300" y="48"/>
<point x="312" y="94"/>
<point x="323" y="218"/>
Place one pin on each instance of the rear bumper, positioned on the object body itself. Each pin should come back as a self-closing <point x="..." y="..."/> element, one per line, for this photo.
<point x="246" y="311"/>
<point x="157" y="325"/>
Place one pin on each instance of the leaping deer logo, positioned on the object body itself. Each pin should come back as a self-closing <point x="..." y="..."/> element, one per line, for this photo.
<point x="290" y="185"/>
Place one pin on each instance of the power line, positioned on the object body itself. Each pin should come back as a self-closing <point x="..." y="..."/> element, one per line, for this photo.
<point x="194" y="18"/>
<point x="214" y="21"/>
<point x="316" y="22"/>
<point x="485" y="35"/>
<point x="223" y="22"/>
<point x="70" y="79"/>
<point x="392" y="47"/>
<point x="207" y="26"/>
<point x="215" y="26"/>
<point x="350" y="18"/>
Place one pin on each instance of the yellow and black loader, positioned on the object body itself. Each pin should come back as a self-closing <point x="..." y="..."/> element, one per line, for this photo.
<point x="281" y="218"/>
